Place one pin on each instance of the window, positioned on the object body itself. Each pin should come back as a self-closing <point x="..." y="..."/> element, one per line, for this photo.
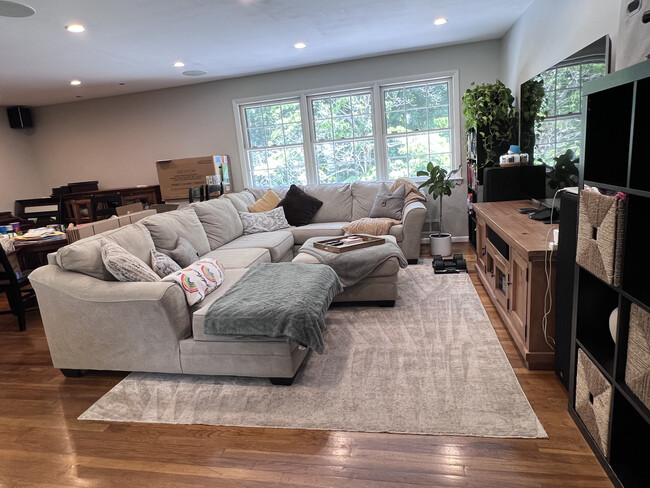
<point x="368" y="133"/>
<point x="560" y="129"/>
<point x="344" y="146"/>
<point x="417" y="127"/>
<point x="274" y="144"/>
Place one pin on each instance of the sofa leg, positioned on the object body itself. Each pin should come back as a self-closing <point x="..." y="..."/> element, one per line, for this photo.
<point x="385" y="303"/>
<point x="71" y="373"/>
<point x="282" y="381"/>
<point x="413" y="261"/>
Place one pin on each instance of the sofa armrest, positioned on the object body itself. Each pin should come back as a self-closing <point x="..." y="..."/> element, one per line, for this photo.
<point x="109" y="325"/>
<point x="413" y="219"/>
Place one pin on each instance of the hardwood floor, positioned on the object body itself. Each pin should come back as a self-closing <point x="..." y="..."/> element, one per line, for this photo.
<point x="43" y="445"/>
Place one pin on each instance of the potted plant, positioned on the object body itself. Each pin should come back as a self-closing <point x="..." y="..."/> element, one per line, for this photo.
<point x="489" y="108"/>
<point x="531" y="113"/>
<point x="438" y="184"/>
<point x="564" y="172"/>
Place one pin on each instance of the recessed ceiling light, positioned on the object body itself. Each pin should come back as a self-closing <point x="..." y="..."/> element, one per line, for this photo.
<point x="300" y="45"/>
<point x="13" y="9"/>
<point x="195" y="72"/>
<point x="179" y="64"/>
<point x="76" y="28"/>
<point x="75" y="82"/>
<point x="440" y="21"/>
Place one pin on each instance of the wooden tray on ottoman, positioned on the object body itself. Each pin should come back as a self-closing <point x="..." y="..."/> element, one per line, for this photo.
<point x="366" y="241"/>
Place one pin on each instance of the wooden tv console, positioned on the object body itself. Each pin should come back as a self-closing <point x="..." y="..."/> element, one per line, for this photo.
<point x="511" y="250"/>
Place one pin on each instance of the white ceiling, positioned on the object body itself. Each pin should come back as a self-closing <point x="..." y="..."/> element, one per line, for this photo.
<point x="130" y="45"/>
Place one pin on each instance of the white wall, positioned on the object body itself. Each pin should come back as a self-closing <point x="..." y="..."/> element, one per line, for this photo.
<point x="117" y="140"/>
<point x="551" y="30"/>
<point x="19" y="175"/>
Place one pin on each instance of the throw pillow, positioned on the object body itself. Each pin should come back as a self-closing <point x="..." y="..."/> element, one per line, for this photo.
<point x="373" y="227"/>
<point x="162" y="264"/>
<point x="198" y="280"/>
<point x="299" y="207"/>
<point x="268" y="202"/>
<point x="184" y="253"/>
<point x="264" y="221"/>
<point x="389" y="204"/>
<point x="123" y="265"/>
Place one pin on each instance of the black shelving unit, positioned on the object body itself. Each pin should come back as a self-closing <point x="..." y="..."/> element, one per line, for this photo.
<point x="616" y="158"/>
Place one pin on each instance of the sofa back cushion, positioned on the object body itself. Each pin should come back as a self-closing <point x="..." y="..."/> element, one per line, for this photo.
<point x="241" y="200"/>
<point x="84" y="256"/>
<point x="165" y="228"/>
<point x="220" y="221"/>
<point x="364" y="194"/>
<point x="337" y="202"/>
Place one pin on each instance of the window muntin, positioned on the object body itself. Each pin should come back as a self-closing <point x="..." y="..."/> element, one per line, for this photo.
<point x="344" y="146"/>
<point x="418" y="127"/>
<point x="274" y="143"/>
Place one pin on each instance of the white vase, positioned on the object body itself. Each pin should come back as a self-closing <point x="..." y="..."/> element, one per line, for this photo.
<point x="440" y="244"/>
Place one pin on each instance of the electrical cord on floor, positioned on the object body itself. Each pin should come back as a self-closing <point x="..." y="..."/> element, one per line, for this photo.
<point x="548" y="298"/>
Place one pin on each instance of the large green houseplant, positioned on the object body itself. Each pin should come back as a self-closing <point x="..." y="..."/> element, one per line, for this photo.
<point x="489" y="109"/>
<point x="438" y="184"/>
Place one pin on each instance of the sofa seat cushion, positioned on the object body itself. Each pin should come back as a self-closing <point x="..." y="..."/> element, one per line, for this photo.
<point x="220" y="221"/>
<point x="324" y="229"/>
<point x="165" y="228"/>
<point x="278" y="242"/>
<point x="199" y="309"/>
<point x="240" y="258"/>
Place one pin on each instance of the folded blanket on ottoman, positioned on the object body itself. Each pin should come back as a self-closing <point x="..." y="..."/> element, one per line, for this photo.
<point x="277" y="300"/>
<point x="353" y="266"/>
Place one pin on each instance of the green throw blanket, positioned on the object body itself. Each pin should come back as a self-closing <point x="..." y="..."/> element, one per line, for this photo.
<point x="277" y="300"/>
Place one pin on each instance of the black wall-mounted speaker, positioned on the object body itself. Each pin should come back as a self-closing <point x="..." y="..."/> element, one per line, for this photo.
<point x="19" y="117"/>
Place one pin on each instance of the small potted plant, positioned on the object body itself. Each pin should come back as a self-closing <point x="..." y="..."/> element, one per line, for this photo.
<point x="564" y="172"/>
<point x="438" y="184"/>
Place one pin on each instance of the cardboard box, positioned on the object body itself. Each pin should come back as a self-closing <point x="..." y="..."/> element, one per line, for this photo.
<point x="127" y="209"/>
<point x="177" y="176"/>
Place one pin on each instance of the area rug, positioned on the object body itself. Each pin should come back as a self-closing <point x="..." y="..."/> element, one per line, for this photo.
<point x="430" y="365"/>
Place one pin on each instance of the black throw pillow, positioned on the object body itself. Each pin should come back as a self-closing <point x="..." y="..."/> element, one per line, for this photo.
<point x="299" y="207"/>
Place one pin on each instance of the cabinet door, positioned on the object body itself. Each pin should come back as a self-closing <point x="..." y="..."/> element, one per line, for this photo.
<point x="480" y="243"/>
<point x="490" y="253"/>
<point x="501" y="280"/>
<point x="518" y="299"/>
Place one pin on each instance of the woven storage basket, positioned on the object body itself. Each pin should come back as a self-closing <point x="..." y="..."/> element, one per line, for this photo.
<point x="593" y="400"/>
<point x="637" y="368"/>
<point x="600" y="235"/>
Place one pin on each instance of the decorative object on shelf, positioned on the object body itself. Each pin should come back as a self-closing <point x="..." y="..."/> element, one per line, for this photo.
<point x="593" y="400"/>
<point x="600" y="235"/>
<point x="564" y="172"/>
<point x="513" y="157"/>
<point x="489" y="108"/>
<point x="438" y="184"/>
<point x="637" y="368"/>
<point x="613" y="324"/>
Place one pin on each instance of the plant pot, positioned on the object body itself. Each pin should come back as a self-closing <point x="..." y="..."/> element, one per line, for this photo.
<point x="440" y="244"/>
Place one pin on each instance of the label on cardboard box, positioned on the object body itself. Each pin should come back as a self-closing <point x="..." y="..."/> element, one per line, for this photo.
<point x="177" y="176"/>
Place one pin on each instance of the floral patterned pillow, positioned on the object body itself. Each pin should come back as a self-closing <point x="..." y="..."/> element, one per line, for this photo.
<point x="162" y="264"/>
<point x="123" y="265"/>
<point x="264" y="221"/>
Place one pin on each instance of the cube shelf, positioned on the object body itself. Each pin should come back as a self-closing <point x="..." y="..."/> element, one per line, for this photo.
<point x="615" y="158"/>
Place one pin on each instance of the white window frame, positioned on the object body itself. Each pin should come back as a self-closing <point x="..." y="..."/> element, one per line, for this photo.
<point x="378" y="117"/>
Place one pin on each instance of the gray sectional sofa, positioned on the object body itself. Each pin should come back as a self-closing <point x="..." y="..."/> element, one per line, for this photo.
<point x="93" y="322"/>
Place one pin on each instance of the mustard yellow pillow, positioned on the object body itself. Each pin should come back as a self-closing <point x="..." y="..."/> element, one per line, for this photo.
<point x="268" y="202"/>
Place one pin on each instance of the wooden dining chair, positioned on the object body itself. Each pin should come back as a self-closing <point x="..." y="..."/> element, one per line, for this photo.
<point x="15" y="285"/>
<point x="105" y="206"/>
<point x="213" y="191"/>
<point x="196" y="194"/>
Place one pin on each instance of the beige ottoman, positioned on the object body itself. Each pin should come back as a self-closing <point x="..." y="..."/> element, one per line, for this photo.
<point x="379" y="287"/>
